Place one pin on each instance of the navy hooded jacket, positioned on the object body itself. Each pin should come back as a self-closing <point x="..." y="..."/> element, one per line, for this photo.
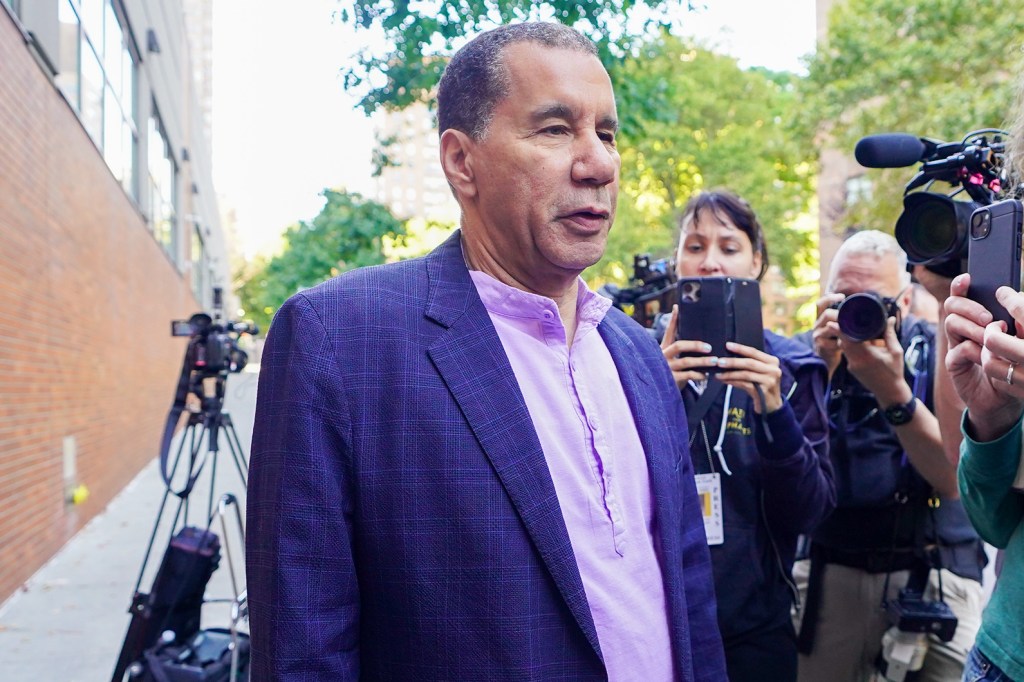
<point x="777" y="490"/>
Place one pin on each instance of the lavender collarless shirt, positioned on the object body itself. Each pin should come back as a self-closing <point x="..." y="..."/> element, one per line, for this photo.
<point x="598" y="467"/>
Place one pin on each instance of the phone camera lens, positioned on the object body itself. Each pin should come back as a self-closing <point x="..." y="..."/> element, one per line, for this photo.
<point x="981" y="222"/>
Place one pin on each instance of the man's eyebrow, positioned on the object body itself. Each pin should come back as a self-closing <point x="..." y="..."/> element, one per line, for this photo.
<point x="554" y="110"/>
<point x="608" y="123"/>
<point x="564" y="112"/>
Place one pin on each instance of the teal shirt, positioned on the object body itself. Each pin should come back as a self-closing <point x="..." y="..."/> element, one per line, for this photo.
<point x="986" y="473"/>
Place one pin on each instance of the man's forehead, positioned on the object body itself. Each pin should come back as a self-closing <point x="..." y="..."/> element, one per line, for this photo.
<point x="853" y="270"/>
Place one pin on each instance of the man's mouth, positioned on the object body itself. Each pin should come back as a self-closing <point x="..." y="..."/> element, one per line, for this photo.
<point x="590" y="218"/>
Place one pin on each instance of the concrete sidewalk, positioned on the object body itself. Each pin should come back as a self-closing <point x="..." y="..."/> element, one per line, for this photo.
<point x="69" y="620"/>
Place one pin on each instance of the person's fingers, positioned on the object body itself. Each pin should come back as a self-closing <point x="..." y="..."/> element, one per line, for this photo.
<point x="960" y="285"/>
<point x="1013" y="301"/>
<point x="824" y="303"/>
<point x="960" y="328"/>
<point x="751" y="352"/>
<point x="968" y="309"/>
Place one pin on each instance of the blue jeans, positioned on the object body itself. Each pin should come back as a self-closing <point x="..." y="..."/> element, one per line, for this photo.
<point x="979" y="669"/>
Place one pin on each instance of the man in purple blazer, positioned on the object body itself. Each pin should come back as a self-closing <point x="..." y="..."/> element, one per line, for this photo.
<point x="468" y="466"/>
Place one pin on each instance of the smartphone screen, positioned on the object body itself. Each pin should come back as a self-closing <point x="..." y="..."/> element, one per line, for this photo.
<point x="716" y="310"/>
<point x="993" y="255"/>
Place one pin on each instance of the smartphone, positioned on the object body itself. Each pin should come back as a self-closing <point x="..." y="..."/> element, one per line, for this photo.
<point x="993" y="255"/>
<point x="716" y="310"/>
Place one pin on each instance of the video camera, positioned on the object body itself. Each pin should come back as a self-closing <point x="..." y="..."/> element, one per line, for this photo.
<point x="653" y="290"/>
<point x="213" y="348"/>
<point x="933" y="228"/>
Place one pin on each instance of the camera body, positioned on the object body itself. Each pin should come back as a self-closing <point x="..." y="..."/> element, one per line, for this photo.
<point x="864" y="316"/>
<point x="213" y="345"/>
<point x="910" y="612"/>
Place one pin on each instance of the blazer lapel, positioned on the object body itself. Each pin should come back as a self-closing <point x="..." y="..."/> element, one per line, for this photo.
<point x="470" y="358"/>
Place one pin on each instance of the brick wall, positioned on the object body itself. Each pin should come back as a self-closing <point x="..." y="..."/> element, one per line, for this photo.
<point x="86" y="296"/>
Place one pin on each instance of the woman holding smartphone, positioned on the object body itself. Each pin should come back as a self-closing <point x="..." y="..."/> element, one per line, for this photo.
<point x="759" y="444"/>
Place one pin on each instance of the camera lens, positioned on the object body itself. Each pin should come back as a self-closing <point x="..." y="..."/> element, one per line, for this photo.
<point x="933" y="228"/>
<point x="862" y="317"/>
<point x="981" y="223"/>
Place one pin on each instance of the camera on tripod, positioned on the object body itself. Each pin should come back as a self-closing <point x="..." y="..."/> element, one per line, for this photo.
<point x="213" y="349"/>
<point x="653" y="289"/>
<point x="933" y="228"/>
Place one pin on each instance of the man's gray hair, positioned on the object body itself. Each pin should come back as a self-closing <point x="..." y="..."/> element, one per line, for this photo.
<point x="873" y="243"/>
<point x="476" y="78"/>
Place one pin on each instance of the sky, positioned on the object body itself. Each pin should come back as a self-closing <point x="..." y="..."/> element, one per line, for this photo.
<point x="284" y="128"/>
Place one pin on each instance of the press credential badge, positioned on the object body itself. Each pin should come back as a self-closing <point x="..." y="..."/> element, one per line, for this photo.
<point x="709" y="487"/>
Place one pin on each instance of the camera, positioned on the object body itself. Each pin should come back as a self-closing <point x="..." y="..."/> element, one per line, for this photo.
<point x="653" y="290"/>
<point x="863" y="316"/>
<point x="933" y="226"/>
<point x="913" y="618"/>
<point x="213" y="346"/>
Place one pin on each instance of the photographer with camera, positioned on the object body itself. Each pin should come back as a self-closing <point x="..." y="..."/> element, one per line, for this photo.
<point x="758" y="442"/>
<point x="898" y="538"/>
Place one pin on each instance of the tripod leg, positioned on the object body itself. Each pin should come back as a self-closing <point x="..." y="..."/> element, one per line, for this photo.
<point x="237" y="453"/>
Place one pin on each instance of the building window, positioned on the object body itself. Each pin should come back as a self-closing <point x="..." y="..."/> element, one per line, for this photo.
<point x="163" y="183"/>
<point x="199" y="264"/>
<point x="858" y="189"/>
<point x="97" y="76"/>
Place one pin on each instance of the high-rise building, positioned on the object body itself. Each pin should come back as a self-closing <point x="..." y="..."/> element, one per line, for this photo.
<point x="109" y="229"/>
<point x="413" y="185"/>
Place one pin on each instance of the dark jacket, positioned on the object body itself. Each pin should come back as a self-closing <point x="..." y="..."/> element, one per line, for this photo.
<point x="403" y="524"/>
<point x="777" y="490"/>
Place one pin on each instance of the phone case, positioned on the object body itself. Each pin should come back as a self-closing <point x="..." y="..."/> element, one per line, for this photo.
<point x="720" y="309"/>
<point x="993" y="255"/>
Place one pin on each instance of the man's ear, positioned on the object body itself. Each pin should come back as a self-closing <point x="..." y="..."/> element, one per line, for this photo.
<point x="457" y="162"/>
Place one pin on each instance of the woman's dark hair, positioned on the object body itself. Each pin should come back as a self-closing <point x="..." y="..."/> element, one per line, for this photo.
<point x="724" y="205"/>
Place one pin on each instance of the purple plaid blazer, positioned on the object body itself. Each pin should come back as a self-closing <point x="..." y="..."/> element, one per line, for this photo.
<point x="402" y="522"/>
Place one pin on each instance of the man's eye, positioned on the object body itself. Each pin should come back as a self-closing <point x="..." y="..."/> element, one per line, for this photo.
<point x="556" y="130"/>
<point x="607" y="137"/>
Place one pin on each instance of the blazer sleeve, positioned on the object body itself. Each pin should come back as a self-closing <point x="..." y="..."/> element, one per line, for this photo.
<point x="302" y="586"/>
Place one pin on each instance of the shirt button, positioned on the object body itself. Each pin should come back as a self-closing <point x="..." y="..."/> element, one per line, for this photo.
<point x="548" y="314"/>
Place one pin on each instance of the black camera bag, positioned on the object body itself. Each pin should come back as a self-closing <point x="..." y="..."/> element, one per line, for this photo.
<point x="176" y="598"/>
<point x="205" y="657"/>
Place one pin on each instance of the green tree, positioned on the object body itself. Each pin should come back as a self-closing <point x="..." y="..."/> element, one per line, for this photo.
<point x="421" y="35"/>
<point x="698" y="121"/>
<point x="933" y="68"/>
<point x="349" y="232"/>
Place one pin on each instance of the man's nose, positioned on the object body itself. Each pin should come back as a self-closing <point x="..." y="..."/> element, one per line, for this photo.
<point x="595" y="162"/>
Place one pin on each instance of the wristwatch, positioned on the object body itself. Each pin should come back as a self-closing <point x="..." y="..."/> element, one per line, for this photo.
<point x="898" y="415"/>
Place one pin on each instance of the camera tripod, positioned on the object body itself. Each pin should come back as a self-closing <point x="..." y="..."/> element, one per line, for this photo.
<point x="192" y="554"/>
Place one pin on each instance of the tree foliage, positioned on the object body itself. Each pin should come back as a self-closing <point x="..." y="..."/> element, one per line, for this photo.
<point x="349" y="232"/>
<point x="420" y="35"/>
<point x="692" y="120"/>
<point x="933" y="68"/>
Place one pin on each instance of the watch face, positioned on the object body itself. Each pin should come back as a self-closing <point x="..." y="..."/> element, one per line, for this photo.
<point x="900" y="414"/>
